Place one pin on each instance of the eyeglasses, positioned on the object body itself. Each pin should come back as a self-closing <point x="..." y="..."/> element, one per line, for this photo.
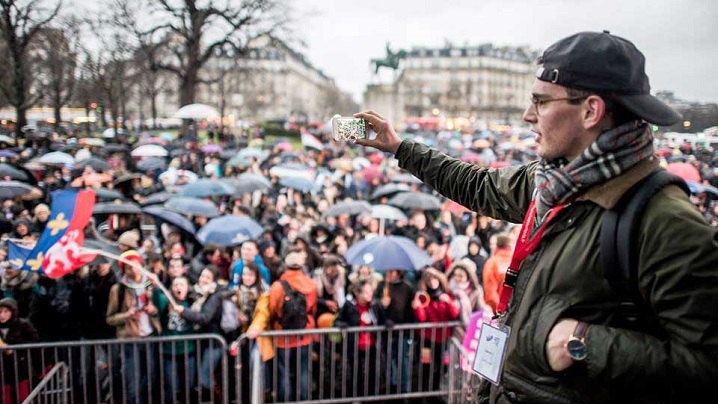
<point x="538" y="103"/>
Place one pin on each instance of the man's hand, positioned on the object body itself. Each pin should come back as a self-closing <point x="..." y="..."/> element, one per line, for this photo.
<point x="556" y="352"/>
<point x="332" y="305"/>
<point x="386" y="138"/>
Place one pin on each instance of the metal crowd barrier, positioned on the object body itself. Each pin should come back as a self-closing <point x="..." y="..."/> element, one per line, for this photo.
<point x="177" y="369"/>
<point x="52" y="388"/>
<point x="339" y="365"/>
<point x="343" y="365"/>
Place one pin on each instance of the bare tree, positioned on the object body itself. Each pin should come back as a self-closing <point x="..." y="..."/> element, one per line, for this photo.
<point x="189" y="34"/>
<point x="59" y="67"/>
<point x="21" y="23"/>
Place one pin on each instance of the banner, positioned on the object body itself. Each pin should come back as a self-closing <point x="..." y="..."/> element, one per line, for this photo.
<point x="70" y="213"/>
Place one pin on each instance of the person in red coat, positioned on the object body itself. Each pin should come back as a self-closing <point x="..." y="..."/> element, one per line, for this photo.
<point x="433" y="303"/>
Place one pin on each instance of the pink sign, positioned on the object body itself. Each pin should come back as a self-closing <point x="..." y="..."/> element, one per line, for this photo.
<point x="471" y="338"/>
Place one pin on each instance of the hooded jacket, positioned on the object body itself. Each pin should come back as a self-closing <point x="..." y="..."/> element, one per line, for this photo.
<point x="563" y="278"/>
<point x="300" y="282"/>
<point x="19" y="331"/>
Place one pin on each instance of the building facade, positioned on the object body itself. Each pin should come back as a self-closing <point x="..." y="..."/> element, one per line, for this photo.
<point x="458" y="85"/>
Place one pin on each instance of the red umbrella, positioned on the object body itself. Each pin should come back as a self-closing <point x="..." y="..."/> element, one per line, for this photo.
<point x="664" y="152"/>
<point x="684" y="170"/>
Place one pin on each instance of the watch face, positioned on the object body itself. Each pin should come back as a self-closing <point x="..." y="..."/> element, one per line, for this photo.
<point x="576" y="349"/>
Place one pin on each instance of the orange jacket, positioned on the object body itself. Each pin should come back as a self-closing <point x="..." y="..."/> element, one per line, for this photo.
<point x="300" y="282"/>
<point x="494" y="273"/>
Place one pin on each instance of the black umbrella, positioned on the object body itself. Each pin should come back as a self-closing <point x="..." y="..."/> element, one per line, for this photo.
<point x="12" y="189"/>
<point x="415" y="200"/>
<point x="100" y="245"/>
<point x="248" y="183"/>
<point x="158" y="198"/>
<point x="192" y="206"/>
<point x="125" y="178"/>
<point x="348" y="208"/>
<point x="8" y="171"/>
<point x="389" y="190"/>
<point x="407" y="178"/>
<point x="168" y="216"/>
<point x="206" y="187"/>
<point x="108" y="195"/>
<point x="178" y="152"/>
<point x="151" y="164"/>
<point x="115" y="147"/>
<point x="126" y="208"/>
<point x="95" y="163"/>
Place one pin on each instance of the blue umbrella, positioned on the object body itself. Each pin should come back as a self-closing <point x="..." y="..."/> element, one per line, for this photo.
<point x="192" y="206"/>
<point x="158" y="198"/>
<point x="8" y="153"/>
<point x="388" y="252"/>
<point x="206" y="187"/>
<point x="170" y="217"/>
<point x="301" y="184"/>
<point x="229" y="230"/>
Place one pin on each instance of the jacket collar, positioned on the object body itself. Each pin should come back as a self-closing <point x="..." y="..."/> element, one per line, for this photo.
<point x="607" y="194"/>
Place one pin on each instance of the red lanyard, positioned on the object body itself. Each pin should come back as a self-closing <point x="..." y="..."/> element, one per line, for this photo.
<point x="524" y="246"/>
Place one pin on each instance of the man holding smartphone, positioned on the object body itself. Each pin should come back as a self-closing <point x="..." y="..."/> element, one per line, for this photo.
<point x="590" y="108"/>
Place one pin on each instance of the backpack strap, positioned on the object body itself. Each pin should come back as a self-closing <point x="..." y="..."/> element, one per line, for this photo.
<point x="619" y="231"/>
<point x="287" y="287"/>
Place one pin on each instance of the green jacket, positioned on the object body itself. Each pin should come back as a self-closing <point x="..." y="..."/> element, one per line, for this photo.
<point x="563" y="278"/>
<point x="173" y="325"/>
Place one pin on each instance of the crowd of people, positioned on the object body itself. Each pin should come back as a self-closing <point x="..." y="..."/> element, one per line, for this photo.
<point x="299" y="257"/>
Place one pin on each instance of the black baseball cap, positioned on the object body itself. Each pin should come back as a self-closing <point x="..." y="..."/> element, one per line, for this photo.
<point x="608" y="65"/>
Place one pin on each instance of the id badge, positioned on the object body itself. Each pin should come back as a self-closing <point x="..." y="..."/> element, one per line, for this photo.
<point x="489" y="358"/>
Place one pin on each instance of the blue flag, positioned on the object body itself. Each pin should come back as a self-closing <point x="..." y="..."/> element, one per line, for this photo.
<point x="65" y="204"/>
<point x="17" y="254"/>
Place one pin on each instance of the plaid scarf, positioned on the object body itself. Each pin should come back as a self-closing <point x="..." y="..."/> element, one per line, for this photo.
<point x="614" y="152"/>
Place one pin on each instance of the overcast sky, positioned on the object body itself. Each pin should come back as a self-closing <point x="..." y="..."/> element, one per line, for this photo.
<point x="678" y="37"/>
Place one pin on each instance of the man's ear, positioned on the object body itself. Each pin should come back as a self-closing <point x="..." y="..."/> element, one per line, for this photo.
<point x="594" y="112"/>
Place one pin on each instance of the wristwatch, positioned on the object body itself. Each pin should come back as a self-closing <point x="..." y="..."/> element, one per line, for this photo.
<point x="576" y="344"/>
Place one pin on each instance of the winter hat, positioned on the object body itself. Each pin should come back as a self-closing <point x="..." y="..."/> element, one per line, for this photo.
<point x="130" y="238"/>
<point x="10" y="304"/>
<point x="131" y="255"/>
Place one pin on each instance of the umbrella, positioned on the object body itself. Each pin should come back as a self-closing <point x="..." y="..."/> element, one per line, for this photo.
<point x="196" y="112"/>
<point x="348" y="208"/>
<point x="387" y="212"/>
<point x="108" y="195"/>
<point x="168" y="136"/>
<point x="8" y="153"/>
<point x="115" y="147"/>
<point x="110" y="132"/>
<point x="206" y="187"/>
<point x="389" y="189"/>
<point x="56" y="158"/>
<point x="149" y="150"/>
<point x="168" y="216"/>
<point x="414" y="200"/>
<point x="95" y="163"/>
<point x="298" y="183"/>
<point x="211" y="148"/>
<point x="8" y="171"/>
<point x="291" y="170"/>
<point x="407" y="178"/>
<point x="178" y="152"/>
<point x="92" y="141"/>
<point x="388" y="252"/>
<point x="229" y="230"/>
<point x="248" y="183"/>
<point x="122" y="208"/>
<point x="192" y="206"/>
<point x="12" y="189"/>
<point x="151" y="164"/>
<point x="6" y="139"/>
<point x="684" y="170"/>
<point x="173" y="175"/>
<point x="153" y="140"/>
<point x="158" y="198"/>
<point x="125" y="178"/>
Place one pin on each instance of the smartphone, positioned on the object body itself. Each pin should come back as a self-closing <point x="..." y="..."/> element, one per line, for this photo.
<point x="348" y="128"/>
